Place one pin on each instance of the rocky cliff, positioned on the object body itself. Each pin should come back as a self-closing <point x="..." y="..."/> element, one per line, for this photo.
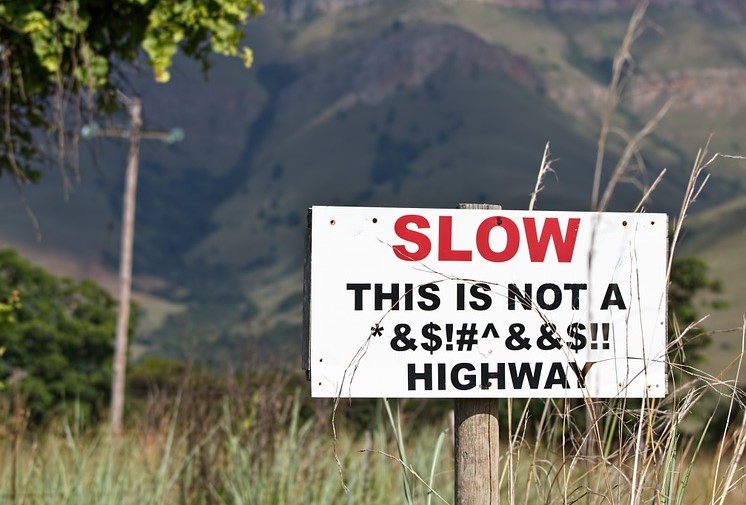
<point x="713" y="89"/>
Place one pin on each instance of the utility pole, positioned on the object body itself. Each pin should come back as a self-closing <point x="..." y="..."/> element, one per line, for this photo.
<point x="125" y="268"/>
<point x="134" y="134"/>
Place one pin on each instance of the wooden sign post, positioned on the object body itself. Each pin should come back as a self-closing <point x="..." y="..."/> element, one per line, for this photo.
<point x="477" y="451"/>
<point x="477" y="440"/>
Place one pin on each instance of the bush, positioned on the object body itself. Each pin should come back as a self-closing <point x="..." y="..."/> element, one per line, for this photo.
<point x="689" y="278"/>
<point x="59" y="346"/>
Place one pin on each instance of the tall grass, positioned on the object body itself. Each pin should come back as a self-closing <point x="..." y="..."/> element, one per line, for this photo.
<point x="224" y="458"/>
<point x="275" y="447"/>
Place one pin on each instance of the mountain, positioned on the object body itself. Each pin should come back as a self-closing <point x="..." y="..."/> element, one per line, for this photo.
<point x="300" y="9"/>
<point x="420" y="103"/>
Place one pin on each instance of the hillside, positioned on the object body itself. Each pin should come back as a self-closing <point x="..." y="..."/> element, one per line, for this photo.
<point x="719" y="237"/>
<point x="422" y="103"/>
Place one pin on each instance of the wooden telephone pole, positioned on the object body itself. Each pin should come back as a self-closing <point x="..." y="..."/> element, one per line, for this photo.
<point x="134" y="134"/>
<point x="477" y="441"/>
<point x="125" y="268"/>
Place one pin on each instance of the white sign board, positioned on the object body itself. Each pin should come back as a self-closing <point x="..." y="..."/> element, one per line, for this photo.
<point x="445" y="303"/>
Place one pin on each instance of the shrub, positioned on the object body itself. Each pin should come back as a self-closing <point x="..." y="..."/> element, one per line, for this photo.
<point x="59" y="347"/>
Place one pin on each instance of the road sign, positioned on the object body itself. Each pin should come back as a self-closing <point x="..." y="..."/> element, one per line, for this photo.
<point x="444" y="303"/>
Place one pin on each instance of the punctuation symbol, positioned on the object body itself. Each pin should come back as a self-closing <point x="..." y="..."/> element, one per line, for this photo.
<point x="467" y="336"/>
<point x="605" y="327"/>
<point x="516" y="341"/>
<point x="594" y="336"/>
<point x="377" y="330"/>
<point x="449" y="337"/>
<point x="401" y="340"/>
<point x="605" y="331"/>
<point x="548" y="339"/>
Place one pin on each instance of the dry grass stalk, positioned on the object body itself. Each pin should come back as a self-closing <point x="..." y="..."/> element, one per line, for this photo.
<point x="741" y="438"/>
<point x="693" y="189"/>
<point x="649" y="191"/>
<point x="544" y="169"/>
<point x="631" y="147"/>
<point x="622" y="56"/>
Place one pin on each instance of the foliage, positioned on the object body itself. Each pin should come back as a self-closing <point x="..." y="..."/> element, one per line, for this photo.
<point x="6" y="311"/>
<point x="52" y="50"/>
<point x="7" y="319"/>
<point x="689" y="278"/>
<point x="60" y="345"/>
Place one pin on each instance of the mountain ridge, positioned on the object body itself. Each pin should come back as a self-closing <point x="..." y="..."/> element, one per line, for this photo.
<point x="416" y="104"/>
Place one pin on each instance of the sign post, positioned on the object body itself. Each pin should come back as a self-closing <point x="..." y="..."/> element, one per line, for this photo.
<point x="480" y="304"/>
<point x="477" y="441"/>
<point x="477" y="451"/>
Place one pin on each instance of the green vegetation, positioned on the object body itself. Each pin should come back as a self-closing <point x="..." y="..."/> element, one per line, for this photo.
<point x="51" y="50"/>
<point x="7" y="320"/>
<point x="212" y="330"/>
<point x="58" y="348"/>
<point x="718" y="237"/>
<point x="689" y="279"/>
<point x="7" y="308"/>
<point x="197" y="439"/>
